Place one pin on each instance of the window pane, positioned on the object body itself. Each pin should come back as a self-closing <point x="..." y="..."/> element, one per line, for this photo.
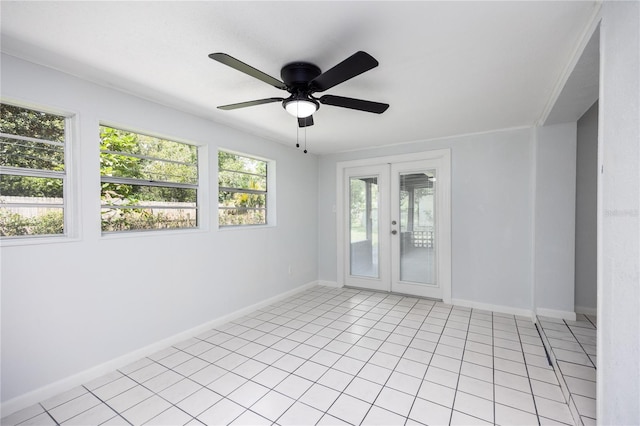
<point x="21" y="221"/>
<point x="241" y="199"/>
<point x="147" y="159"/>
<point x="26" y="187"/>
<point x="363" y="226"/>
<point x="125" y="219"/>
<point x="117" y="194"/>
<point x="134" y="143"/>
<point x="417" y="255"/>
<point x="157" y="170"/>
<point x="241" y="216"/>
<point x="167" y="150"/>
<point x="228" y="161"/>
<point x="34" y="124"/>
<point x="31" y="205"/>
<point x="239" y="180"/>
<point x="33" y="155"/>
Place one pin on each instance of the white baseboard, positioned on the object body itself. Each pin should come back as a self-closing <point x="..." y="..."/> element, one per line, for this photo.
<point x="23" y="401"/>
<point x="586" y="311"/>
<point x="330" y="284"/>
<point x="553" y="313"/>
<point x="495" y="308"/>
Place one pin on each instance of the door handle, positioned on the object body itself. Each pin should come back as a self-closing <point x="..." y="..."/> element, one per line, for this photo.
<point x="394" y="232"/>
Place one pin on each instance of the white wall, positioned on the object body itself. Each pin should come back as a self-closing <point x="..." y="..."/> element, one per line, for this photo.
<point x="491" y="215"/>
<point x="586" y="211"/>
<point x="555" y="220"/>
<point x="70" y="306"/>
<point x="618" y="216"/>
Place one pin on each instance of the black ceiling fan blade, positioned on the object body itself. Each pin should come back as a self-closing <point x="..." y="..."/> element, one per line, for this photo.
<point x="354" y="65"/>
<point x="250" y="103"/>
<point x="359" y="104"/>
<point x="232" y="62"/>
<point x="305" y="121"/>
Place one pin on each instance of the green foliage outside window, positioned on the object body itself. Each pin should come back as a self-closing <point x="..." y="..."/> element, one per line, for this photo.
<point x="148" y="197"/>
<point x="242" y="190"/>
<point x="15" y="224"/>
<point x="32" y="143"/>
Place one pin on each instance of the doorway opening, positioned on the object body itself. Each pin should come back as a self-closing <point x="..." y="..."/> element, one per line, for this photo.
<point x="394" y="224"/>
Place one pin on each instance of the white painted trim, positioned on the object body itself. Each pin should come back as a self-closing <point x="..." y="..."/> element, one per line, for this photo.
<point x="591" y="27"/>
<point x="534" y="317"/>
<point x="586" y="311"/>
<point x="18" y="403"/>
<point x="71" y="179"/>
<point x="430" y="140"/>
<point x="554" y="313"/>
<point x="434" y="154"/>
<point x="272" y="208"/>
<point x="533" y="187"/>
<point x="339" y="213"/>
<point x="330" y="284"/>
<point x="601" y="285"/>
<point x="494" y="308"/>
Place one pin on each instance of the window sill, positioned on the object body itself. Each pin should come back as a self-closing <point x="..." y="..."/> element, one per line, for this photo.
<point x="114" y="235"/>
<point x="36" y="240"/>
<point x="243" y="227"/>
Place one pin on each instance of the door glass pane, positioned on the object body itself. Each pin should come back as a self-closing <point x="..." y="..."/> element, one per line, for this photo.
<point x="363" y="226"/>
<point x="417" y="227"/>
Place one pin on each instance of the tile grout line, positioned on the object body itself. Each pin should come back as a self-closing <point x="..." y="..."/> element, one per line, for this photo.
<point x="356" y="375"/>
<point x="526" y="366"/>
<point x="48" y="414"/>
<point x="184" y="377"/>
<point x="460" y="369"/>
<point x="334" y="339"/>
<point x="493" y="366"/>
<point x="344" y="354"/>
<point x="272" y="389"/>
<point x="292" y="373"/>
<point x="415" y="397"/>
<point x="427" y="364"/>
<point x="118" y="414"/>
<point x="309" y="314"/>
<point x="579" y="343"/>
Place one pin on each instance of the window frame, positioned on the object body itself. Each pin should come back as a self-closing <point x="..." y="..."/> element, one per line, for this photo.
<point x="270" y="192"/>
<point x="68" y="176"/>
<point x="199" y="186"/>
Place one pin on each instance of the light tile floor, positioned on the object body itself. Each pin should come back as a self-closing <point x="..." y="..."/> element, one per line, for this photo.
<point x="331" y="356"/>
<point x="572" y="346"/>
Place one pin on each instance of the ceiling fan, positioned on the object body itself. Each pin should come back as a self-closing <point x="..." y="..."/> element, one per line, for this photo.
<point x="302" y="80"/>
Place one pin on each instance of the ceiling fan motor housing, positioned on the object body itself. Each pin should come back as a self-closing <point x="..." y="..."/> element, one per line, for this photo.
<point x="297" y="75"/>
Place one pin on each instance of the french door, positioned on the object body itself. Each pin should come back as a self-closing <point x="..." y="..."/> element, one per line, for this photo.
<point x="396" y="228"/>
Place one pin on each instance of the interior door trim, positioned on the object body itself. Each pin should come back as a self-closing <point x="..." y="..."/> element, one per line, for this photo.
<point x="443" y="157"/>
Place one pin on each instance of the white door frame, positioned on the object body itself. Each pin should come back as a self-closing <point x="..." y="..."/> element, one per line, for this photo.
<point x="443" y="159"/>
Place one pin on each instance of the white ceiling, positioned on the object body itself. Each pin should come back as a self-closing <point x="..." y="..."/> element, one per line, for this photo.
<point x="446" y="68"/>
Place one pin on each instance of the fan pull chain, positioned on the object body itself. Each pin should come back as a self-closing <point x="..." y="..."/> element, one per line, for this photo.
<point x="305" y="139"/>
<point x="297" y="128"/>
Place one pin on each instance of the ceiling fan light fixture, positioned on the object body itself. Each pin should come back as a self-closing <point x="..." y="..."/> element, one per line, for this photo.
<point x="300" y="108"/>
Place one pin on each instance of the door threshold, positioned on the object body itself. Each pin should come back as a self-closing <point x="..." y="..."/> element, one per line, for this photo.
<point x="392" y="293"/>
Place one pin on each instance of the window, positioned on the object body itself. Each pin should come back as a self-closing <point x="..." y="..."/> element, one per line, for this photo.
<point x="148" y="183"/>
<point x="242" y="190"/>
<point x="32" y="172"/>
